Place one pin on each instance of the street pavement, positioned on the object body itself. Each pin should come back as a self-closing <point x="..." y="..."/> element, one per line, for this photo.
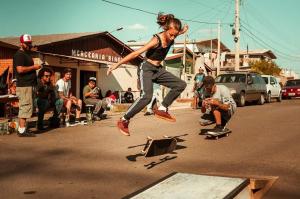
<point x="98" y="162"/>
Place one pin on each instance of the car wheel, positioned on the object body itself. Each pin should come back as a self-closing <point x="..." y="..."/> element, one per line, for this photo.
<point x="261" y="100"/>
<point x="268" y="97"/>
<point x="279" y="99"/>
<point x="242" y="100"/>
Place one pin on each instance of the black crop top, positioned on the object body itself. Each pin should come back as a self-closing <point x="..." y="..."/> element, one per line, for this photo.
<point x="158" y="53"/>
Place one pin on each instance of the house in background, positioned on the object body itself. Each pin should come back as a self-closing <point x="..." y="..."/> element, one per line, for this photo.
<point x="228" y="60"/>
<point x="88" y="54"/>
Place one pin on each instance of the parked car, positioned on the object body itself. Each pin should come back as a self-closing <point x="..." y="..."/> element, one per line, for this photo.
<point x="244" y="86"/>
<point x="291" y="89"/>
<point x="273" y="88"/>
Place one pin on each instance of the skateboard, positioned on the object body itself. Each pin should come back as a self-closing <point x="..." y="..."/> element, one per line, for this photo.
<point x="216" y="135"/>
<point x="156" y="147"/>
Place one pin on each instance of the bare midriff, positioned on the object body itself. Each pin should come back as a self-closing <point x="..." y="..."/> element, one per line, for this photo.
<point x="154" y="62"/>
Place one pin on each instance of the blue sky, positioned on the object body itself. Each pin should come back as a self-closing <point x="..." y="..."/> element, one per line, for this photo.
<point x="267" y="24"/>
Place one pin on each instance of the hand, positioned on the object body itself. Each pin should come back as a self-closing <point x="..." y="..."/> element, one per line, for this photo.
<point x="111" y="68"/>
<point x="37" y="67"/>
<point x="214" y="102"/>
<point x="184" y="29"/>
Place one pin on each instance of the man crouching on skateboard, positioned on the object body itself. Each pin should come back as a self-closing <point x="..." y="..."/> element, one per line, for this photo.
<point x="218" y="105"/>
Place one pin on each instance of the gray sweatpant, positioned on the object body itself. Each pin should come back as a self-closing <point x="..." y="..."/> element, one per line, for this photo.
<point x="149" y="74"/>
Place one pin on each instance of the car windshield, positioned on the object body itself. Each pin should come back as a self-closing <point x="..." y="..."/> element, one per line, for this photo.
<point x="231" y="78"/>
<point x="293" y="83"/>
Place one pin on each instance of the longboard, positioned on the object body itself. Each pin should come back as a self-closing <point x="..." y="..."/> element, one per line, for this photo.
<point x="156" y="147"/>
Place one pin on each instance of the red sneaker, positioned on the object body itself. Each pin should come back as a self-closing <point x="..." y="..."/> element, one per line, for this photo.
<point x="123" y="127"/>
<point x="164" y="115"/>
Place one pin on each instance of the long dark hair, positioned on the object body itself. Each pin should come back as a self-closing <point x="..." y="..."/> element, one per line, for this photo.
<point x="166" y="20"/>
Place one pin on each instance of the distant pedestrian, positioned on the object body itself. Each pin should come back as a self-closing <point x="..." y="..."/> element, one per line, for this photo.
<point x="128" y="96"/>
<point x="25" y="72"/>
<point x="197" y="89"/>
<point x="151" y="71"/>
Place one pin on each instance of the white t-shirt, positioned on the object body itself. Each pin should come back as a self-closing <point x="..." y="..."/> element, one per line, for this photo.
<point x="224" y="96"/>
<point x="64" y="87"/>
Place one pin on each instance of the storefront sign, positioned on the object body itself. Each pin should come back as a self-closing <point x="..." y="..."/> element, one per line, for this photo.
<point x="95" y="56"/>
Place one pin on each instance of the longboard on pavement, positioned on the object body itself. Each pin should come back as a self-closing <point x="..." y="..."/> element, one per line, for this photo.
<point x="156" y="147"/>
<point x="216" y="135"/>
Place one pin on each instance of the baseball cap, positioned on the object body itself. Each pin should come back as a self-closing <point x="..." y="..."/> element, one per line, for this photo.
<point x="93" y="79"/>
<point x="26" y="38"/>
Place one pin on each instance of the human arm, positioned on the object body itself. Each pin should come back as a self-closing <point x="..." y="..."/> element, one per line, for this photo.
<point x="26" y="69"/>
<point x="153" y="42"/>
<point x="217" y="104"/>
<point x="184" y="29"/>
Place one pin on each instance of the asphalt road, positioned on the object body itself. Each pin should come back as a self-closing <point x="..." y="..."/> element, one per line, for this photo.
<point x="95" y="161"/>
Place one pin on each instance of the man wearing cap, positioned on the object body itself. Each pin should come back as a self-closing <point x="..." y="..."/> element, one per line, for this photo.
<point x="92" y="96"/>
<point x="25" y="72"/>
<point x="218" y="105"/>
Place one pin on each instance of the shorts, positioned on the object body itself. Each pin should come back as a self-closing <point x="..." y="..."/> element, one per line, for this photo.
<point x="25" y="102"/>
<point x="209" y="118"/>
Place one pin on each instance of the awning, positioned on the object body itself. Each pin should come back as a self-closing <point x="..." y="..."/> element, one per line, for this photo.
<point x="85" y="59"/>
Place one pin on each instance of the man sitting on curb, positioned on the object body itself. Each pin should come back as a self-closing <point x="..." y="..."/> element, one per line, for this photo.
<point x="218" y="105"/>
<point x="92" y="96"/>
<point x="47" y="98"/>
<point x="63" y="86"/>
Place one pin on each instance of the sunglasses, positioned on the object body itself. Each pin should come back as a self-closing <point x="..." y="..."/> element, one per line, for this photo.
<point x="47" y="76"/>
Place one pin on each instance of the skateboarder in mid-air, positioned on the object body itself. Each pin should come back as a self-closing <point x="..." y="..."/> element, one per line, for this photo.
<point x="218" y="105"/>
<point x="151" y="71"/>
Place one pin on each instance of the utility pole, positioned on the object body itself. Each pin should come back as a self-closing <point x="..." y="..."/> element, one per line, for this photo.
<point x="237" y="35"/>
<point x="219" y="48"/>
<point x="184" y="56"/>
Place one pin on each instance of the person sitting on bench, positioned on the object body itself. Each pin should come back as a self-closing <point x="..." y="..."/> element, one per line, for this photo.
<point x="218" y="105"/>
<point x="46" y="98"/>
<point x="63" y="86"/>
<point x="92" y="96"/>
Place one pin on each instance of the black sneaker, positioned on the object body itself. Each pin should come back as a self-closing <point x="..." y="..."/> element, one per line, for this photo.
<point x="25" y="134"/>
<point x="97" y="118"/>
<point x="218" y="129"/>
<point x="148" y="113"/>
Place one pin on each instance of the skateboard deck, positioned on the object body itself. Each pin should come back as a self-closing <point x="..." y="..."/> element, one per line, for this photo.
<point x="156" y="147"/>
<point x="216" y="135"/>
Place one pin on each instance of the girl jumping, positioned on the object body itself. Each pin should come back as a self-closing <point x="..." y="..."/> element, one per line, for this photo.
<point x="151" y="71"/>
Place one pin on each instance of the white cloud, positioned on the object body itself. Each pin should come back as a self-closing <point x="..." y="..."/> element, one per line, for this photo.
<point x="137" y="26"/>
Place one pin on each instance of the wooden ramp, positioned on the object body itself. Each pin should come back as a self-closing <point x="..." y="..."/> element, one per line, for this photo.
<point x="192" y="186"/>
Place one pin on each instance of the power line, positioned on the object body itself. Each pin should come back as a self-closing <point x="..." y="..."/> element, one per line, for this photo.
<point x="152" y="13"/>
<point x="265" y="45"/>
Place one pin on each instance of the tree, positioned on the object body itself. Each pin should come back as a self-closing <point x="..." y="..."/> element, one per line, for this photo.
<point x="265" y="67"/>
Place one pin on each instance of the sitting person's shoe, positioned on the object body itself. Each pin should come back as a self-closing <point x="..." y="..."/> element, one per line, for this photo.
<point x="218" y="129"/>
<point x="103" y="116"/>
<point x="68" y="124"/>
<point x="205" y="122"/>
<point x="164" y="115"/>
<point x="96" y="118"/>
<point x="123" y="127"/>
<point x="78" y="122"/>
<point x="148" y="113"/>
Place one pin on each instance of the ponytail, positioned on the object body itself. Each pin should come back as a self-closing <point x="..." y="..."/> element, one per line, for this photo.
<point x="165" y="20"/>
